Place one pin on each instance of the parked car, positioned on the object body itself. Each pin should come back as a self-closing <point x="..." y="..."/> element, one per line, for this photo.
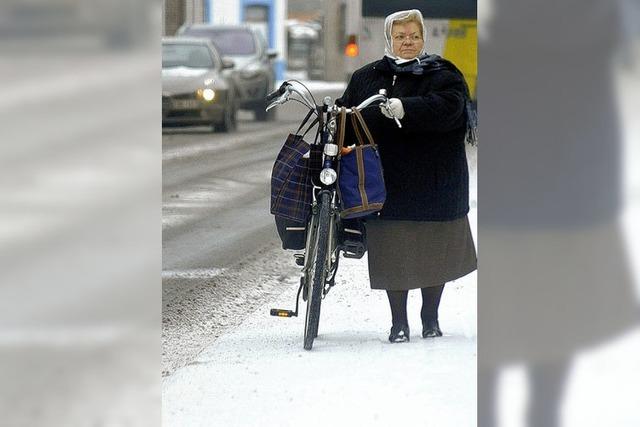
<point x="253" y="75"/>
<point x="195" y="90"/>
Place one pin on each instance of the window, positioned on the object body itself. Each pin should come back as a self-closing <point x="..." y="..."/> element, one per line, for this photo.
<point x="186" y="55"/>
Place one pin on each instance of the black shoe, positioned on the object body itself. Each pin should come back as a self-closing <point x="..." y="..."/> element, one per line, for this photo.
<point x="431" y="328"/>
<point x="399" y="334"/>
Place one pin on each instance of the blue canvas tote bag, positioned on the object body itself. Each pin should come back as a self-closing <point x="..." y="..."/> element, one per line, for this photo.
<point x="291" y="178"/>
<point x="360" y="178"/>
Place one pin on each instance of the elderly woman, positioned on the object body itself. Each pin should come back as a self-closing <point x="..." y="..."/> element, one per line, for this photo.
<point x="421" y="239"/>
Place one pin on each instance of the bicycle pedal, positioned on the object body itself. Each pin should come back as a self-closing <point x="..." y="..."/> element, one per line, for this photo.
<point x="278" y="312"/>
<point x="352" y="249"/>
<point x="299" y="259"/>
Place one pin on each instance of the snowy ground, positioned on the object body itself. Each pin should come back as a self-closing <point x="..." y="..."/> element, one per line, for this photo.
<point x="259" y="374"/>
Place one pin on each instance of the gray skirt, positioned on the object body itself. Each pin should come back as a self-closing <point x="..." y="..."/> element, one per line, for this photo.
<point x="407" y="255"/>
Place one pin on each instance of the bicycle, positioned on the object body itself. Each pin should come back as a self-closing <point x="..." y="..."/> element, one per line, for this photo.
<point x="322" y="249"/>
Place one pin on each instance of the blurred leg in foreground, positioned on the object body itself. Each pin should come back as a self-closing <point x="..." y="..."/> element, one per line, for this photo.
<point x="553" y="278"/>
<point x="546" y="384"/>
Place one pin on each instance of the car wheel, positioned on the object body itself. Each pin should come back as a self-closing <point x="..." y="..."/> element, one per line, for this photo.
<point x="229" y="122"/>
<point x="260" y="113"/>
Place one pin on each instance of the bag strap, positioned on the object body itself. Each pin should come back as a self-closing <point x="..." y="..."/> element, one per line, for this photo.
<point x="356" y="130"/>
<point x="318" y="131"/>
<point x="313" y="123"/>
<point x="342" y="118"/>
<point x="320" y="117"/>
<point x="304" y="122"/>
<point x="355" y="118"/>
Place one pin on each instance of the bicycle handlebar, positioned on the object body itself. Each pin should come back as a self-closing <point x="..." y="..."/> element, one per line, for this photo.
<point x="276" y="93"/>
<point x="281" y="95"/>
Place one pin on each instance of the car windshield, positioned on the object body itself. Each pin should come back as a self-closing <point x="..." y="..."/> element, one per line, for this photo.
<point x="186" y="55"/>
<point x="228" y="41"/>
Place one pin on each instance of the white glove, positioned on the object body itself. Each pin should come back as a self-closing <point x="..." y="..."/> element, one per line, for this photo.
<point x="395" y="105"/>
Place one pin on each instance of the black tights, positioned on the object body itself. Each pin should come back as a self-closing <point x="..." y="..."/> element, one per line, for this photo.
<point x="430" y="303"/>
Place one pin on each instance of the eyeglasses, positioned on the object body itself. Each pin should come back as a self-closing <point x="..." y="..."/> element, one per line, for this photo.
<point x="401" y="38"/>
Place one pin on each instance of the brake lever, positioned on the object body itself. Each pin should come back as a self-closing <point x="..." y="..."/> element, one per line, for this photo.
<point x="273" y="104"/>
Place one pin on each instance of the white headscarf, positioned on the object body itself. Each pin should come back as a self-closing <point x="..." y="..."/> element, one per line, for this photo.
<point x="388" y="24"/>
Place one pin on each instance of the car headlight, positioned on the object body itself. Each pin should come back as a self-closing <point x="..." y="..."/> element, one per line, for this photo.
<point x="207" y="94"/>
<point x="328" y="176"/>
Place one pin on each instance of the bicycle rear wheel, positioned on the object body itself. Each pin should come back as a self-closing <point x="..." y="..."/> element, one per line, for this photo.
<point x="318" y="273"/>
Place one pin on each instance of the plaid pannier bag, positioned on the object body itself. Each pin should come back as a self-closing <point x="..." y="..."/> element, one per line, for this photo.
<point x="291" y="178"/>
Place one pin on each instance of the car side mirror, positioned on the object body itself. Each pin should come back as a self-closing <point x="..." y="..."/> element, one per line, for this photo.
<point x="228" y="63"/>
<point x="272" y="54"/>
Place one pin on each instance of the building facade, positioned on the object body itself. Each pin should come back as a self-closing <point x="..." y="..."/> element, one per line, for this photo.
<point x="178" y="12"/>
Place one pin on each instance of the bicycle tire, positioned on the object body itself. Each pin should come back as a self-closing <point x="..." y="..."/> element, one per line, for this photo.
<point x="314" y="299"/>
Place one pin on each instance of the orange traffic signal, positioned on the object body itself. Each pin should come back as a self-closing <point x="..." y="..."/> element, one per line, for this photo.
<point x="352" y="50"/>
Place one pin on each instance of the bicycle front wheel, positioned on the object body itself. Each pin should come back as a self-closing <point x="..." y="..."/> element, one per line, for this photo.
<point x="318" y="273"/>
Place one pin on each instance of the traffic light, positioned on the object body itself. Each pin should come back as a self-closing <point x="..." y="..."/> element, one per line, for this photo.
<point x="351" y="49"/>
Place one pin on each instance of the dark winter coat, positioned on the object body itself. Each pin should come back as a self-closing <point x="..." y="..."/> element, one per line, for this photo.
<point x="425" y="165"/>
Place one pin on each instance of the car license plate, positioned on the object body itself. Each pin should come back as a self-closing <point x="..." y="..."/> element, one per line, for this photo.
<point x="185" y="104"/>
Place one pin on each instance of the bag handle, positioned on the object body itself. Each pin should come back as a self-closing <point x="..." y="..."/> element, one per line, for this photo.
<point x="342" y="129"/>
<point x="313" y="123"/>
<point x="356" y="119"/>
<point x="320" y="117"/>
<point x="356" y="130"/>
<point x="304" y="122"/>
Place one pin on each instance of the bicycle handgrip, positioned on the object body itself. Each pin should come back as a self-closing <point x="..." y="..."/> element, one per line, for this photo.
<point x="276" y="93"/>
